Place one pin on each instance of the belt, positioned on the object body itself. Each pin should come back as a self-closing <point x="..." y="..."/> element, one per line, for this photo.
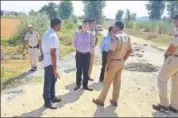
<point x="174" y="55"/>
<point x="83" y="52"/>
<point x="116" y="59"/>
<point x="34" y="46"/>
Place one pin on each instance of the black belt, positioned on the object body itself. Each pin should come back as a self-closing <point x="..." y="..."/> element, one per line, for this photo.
<point x="175" y="55"/>
<point x="116" y="59"/>
<point x="83" y="52"/>
<point x="37" y="46"/>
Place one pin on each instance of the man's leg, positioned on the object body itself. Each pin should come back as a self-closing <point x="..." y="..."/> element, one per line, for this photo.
<point x="47" y="84"/>
<point x="91" y="65"/>
<point x="116" y="87"/>
<point x="52" y="92"/>
<point x="30" y="52"/>
<point x="35" y="57"/>
<point x="166" y="72"/>
<point x="86" y="65"/>
<point x="79" y="70"/>
<point x="174" y="92"/>
<point x="104" y="60"/>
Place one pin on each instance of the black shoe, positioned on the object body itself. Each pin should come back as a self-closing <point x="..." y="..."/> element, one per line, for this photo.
<point x="90" y="79"/>
<point x="114" y="103"/>
<point x="173" y="110"/>
<point x="35" y="68"/>
<point x="50" y="105"/>
<point x="160" y="108"/>
<point x="32" y="69"/>
<point x="76" y="88"/>
<point x="87" y="88"/>
<point x="56" y="99"/>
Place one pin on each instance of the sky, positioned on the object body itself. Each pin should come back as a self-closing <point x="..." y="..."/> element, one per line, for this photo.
<point x="109" y="11"/>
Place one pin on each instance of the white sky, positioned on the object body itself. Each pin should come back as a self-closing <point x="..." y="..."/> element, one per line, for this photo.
<point x="109" y="11"/>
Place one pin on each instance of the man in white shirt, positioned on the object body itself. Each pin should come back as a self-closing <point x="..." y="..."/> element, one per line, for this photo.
<point x="32" y="39"/>
<point x="50" y="58"/>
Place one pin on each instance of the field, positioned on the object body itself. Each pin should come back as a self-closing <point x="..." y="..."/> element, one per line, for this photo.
<point x="12" y="43"/>
<point x="9" y="27"/>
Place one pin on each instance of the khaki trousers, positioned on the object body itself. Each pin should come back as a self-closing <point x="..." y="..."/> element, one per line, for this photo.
<point x="33" y="55"/>
<point x="112" y="75"/>
<point x="91" y="62"/>
<point x="169" y="70"/>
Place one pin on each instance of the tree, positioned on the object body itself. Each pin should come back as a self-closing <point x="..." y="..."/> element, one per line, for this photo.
<point x="155" y="9"/>
<point x="172" y="8"/>
<point x="49" y="9"/>
<point x="130" y="16"/>
<point x="32" y="12"/>
<point x="65" y="9"/>
<point x="119" y="15"/>
<point x="93" y="9"/>
<point x="1" y="12"/>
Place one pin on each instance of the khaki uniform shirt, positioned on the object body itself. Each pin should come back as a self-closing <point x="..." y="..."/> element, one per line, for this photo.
<point x="33" y="39"/>
<point x="174" y="41"/>
<point x="120" y="44"/>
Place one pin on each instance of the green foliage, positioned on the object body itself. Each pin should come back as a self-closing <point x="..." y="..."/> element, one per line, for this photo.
<point x="93" y="9"/>
<point x="172" y="8"/>
<point x="129" y="16"/>
<point x="155" y="9"/>
<point x="119" y="15"/>
<point x="49" y="9"/>
<point x="65" y="9"/>
<point x="40" y="23"/>
<point x="130" y="24"/>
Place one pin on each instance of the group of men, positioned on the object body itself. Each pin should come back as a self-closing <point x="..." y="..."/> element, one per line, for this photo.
<point x="115" y="48"/>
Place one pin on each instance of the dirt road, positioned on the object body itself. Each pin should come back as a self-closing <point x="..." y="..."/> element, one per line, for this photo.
<point x="138" y="91"/>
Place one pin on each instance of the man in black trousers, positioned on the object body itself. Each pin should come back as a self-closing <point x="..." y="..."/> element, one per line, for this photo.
<point x="83" y="42"/>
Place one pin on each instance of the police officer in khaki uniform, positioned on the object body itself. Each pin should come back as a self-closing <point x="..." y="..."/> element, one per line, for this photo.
<point x="32" y="39"/>
<point x="92" y="28"/>
<point x="169" y="70"/>
<point x="119" y="52"/>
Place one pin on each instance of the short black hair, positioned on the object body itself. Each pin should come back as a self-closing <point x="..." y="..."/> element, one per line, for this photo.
<point x="55" y="21"/>
<point x="85" y="20"/>
<point x="110" y="28"/>
<point x="176" y="17"/>
<point x="92" y="20"/>
<point x="119" y="24"/>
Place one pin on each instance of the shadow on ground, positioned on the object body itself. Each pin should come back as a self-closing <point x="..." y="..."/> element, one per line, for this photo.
<point x="105" y="112"/>
<point x="70" y="97"/>
<point x="162" y="114"/>
<point x="141" y="67"/>
<point x="13" y="80"/>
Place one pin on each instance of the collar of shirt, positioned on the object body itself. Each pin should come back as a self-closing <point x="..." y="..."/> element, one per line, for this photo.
<point x="51" y="30"/>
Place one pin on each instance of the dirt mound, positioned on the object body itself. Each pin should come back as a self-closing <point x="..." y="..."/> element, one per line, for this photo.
<point x="9" y="27"/>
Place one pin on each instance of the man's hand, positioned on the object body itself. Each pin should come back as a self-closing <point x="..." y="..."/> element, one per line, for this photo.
<point x="56" y="74"/>
<point x="41" y="58"/>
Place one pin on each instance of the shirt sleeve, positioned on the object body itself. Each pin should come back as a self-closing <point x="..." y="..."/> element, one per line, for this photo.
<point x="38" y="36"/>
<point x="102" y="44"/>
<point x="175" y="40"/>
<point x="92" y="40"/>
<point x="113" y="43"/>
<point x="129" y="44"/>
<point x="74" y="41"/>
<point x="54" y="43"/>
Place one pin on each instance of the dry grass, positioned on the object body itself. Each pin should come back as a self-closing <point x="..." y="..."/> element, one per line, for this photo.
<point x="9" y="27"/>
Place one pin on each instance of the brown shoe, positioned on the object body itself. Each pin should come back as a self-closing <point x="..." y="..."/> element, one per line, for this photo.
<point x="96" y="101"/>
<point x="114" y="103"/>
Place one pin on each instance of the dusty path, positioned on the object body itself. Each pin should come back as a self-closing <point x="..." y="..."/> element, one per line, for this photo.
<point x="138" y="92"/>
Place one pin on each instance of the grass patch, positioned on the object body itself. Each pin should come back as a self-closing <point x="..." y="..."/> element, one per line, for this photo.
<point x="162" y="40"/>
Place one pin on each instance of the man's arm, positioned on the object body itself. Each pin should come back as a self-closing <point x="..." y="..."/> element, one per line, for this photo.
<point x="75" y="40"/>
<point x="102" y="44"/>
<point x="54" y="46"/>
<point x="25" y="42"/>
<point x="171" y="49"/>
<point x="129" y="50"/>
